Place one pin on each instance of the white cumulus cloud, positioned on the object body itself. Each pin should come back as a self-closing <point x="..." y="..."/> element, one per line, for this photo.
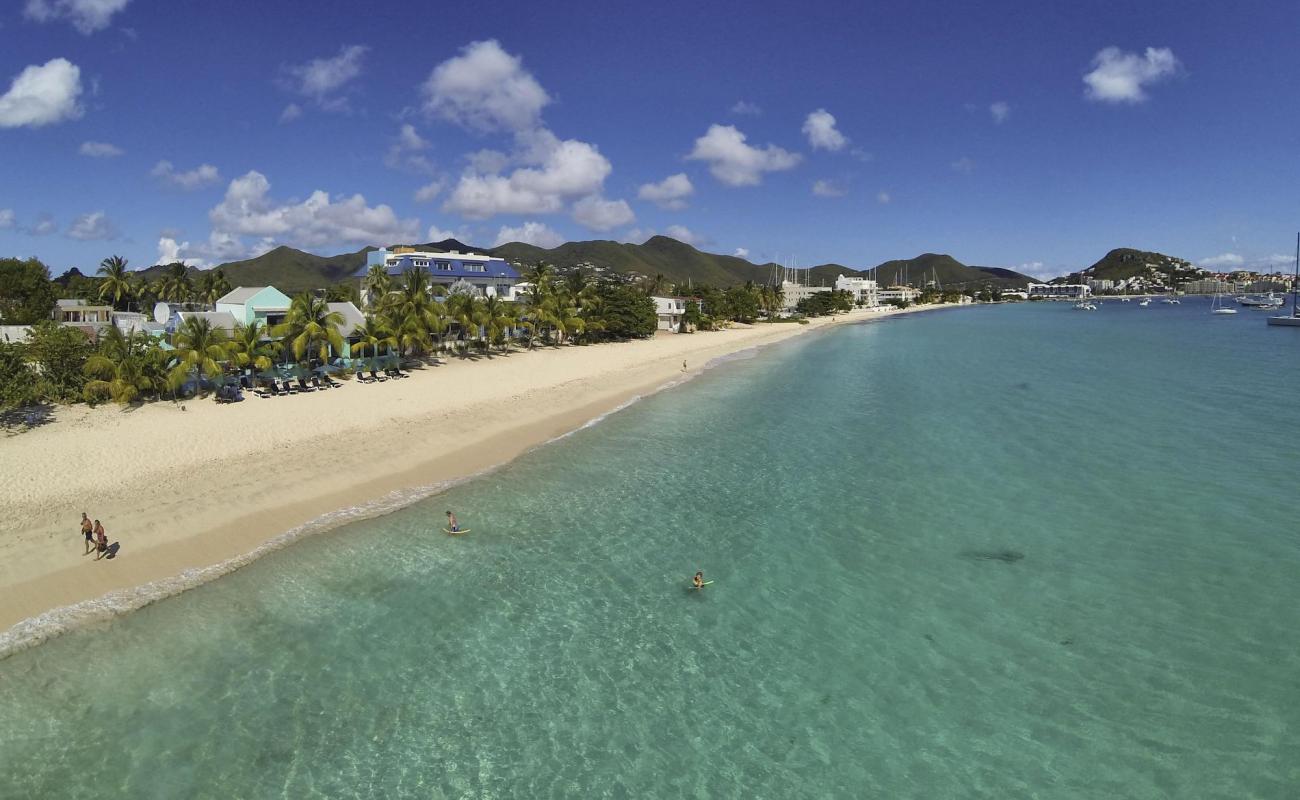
<point x="562" y="170"/>
<point x="290" y="113"/>
<point x="42" y="95"/>
<point x="248" y="210"/>
<point x="822" y="134"/>
<point x="599" y="214"/>
<point x="735" y="162"/>
<point x="883" y="197"/>
<point x="87" y="16"/>
<point x="95" y="226"/>
<point x="485" y="89"/>
<point x="6" y="219"/>
<point x="1119" y="77"/>
<point x="197" y="178"/>
<point x="430" y="190"/>
<point x="324" y="78"/>
<point x="100" y="150"/>
<point x="407" y="152"/>
<point x="1000" y="111"/>
<point x="669" y="193"/>
<point x="828" y="188"/>
<point x="747" y="108"/>
<point x="741" y="252"/>
<point x="1222" y="261"/>
<point x="534" y="233"/>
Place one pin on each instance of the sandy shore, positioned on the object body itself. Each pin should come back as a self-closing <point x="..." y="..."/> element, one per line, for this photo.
<point x="183" y="490"/>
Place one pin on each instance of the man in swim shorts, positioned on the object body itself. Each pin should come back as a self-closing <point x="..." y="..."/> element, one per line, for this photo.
<point x="88" y="531"/>
<point x="452" y="525"/>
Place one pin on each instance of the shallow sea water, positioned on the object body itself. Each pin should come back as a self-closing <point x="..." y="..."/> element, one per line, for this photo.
<point x="995" y="552"/>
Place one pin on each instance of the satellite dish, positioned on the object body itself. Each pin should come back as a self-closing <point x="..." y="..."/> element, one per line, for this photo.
<point x="161" y="313"/>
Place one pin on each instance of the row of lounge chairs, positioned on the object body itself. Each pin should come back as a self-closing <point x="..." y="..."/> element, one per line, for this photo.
<point x="271" y="388"/>
<point x="375" y="377"/>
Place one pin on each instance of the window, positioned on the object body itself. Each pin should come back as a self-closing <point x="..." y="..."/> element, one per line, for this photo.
<point x="443" y="265"/>
<point x="424" y="263"/>
<point x="474" y="267"/>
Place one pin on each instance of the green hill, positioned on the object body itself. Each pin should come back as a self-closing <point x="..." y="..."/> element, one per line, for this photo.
<point x="1125" y="262"/>
<point x="293" y="270"/>
<point x="287" y="269"/>
<point x="924" y="269"/>
<point x="660" y="255"/>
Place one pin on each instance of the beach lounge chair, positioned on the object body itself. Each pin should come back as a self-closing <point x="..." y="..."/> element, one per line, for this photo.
<point x="315" y="381"/>
<point x="303" y="387"/>
<point x="288" y="388"/>
<point x="375" y="376"/>
<point x="261" y="391"/>
<point x="363" y="377"/>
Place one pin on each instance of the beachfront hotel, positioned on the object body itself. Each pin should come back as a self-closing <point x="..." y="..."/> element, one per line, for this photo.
<point x="1059" y="291"/>
<point x="865" y="291"/>
<point x="486" y="275"/>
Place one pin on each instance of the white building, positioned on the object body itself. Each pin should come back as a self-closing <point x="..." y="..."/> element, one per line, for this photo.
<point x="864" y="290"/>
<point x="1102" y="285"/>
<point x="670" y="311"/>
<point x="792" y="293"/>
<point x="906" y="294"/>
<point x="488" y="276"/>
<point x="1061" y="291"/>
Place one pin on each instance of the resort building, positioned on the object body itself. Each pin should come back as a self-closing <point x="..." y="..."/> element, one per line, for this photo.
<point x="266" y="304"/>
<point x="80" y="312"/>
<point x="1103" y="285"/>
<point x="485" y="275"/>
<point x="222" y="320"/>
<point x="792" y="293"/>
<point x="894" y="294"/>
<point x="137" y="322"/>
<point x="670" y="310"/>
<point x="864" y="290"/>
<point x="1059" y="291"/>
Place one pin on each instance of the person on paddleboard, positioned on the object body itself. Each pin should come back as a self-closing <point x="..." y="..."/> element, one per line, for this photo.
<point x="698" y="581"/>
<point x="452" y="524"/>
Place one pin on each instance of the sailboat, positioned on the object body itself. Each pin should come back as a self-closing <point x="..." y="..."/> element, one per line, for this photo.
<point x="1293" y="320"/>
<point x="1218" y="308"/>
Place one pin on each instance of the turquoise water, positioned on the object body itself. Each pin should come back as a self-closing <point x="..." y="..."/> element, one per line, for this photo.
<point x="996" y="552"/>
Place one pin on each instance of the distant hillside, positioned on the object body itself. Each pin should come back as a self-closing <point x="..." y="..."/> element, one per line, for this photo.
<point x="926" y="268"/>
<point x="293" y="270"/>
<point x="287" y="269"/>
<point x="1125" y="262"/>
<point x="660" y="255"/>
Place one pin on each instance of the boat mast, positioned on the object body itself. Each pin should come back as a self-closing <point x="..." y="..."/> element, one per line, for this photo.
<point x="1295" y="281"/>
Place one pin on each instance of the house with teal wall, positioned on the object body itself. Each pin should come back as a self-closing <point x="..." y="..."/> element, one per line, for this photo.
<point x="266" y="304"/>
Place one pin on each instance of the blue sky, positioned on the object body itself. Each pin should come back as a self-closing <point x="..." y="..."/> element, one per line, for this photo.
<point x="1028" y="135"/>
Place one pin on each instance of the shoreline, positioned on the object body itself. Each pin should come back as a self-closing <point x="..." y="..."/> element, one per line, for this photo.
<point x="199" y="492"/>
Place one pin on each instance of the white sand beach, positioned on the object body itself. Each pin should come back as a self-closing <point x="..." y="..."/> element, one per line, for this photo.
<point x="186" y="489"/>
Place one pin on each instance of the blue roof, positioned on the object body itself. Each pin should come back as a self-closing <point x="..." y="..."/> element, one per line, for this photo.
<point x="492" y="268"/>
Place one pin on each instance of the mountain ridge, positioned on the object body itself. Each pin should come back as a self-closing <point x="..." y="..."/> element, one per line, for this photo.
<point x="294" y="270"/>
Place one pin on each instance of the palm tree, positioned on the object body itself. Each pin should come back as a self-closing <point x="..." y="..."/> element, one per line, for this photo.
<point x="310" y="329"/>
<point x="117" y="281"/>
<point x="250" y="346"/>
<point x="212" y="286"/>
<point x="377" y="284"/>
<point x="144" y="292"/>
<point x="497" y="316"/>
<point x="200" y="351"/>
<point x="119" y="368"/>
<point x="175" y="287"/>
<point x="373" y="334"/>
<point x="412" y="314"/>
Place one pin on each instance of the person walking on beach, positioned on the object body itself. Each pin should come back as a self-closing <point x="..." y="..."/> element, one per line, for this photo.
<point x="452" y="525"/>
<point x="88" y="531"/>
<point x="101" y="541"/>
<point x="683" y="365"/>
